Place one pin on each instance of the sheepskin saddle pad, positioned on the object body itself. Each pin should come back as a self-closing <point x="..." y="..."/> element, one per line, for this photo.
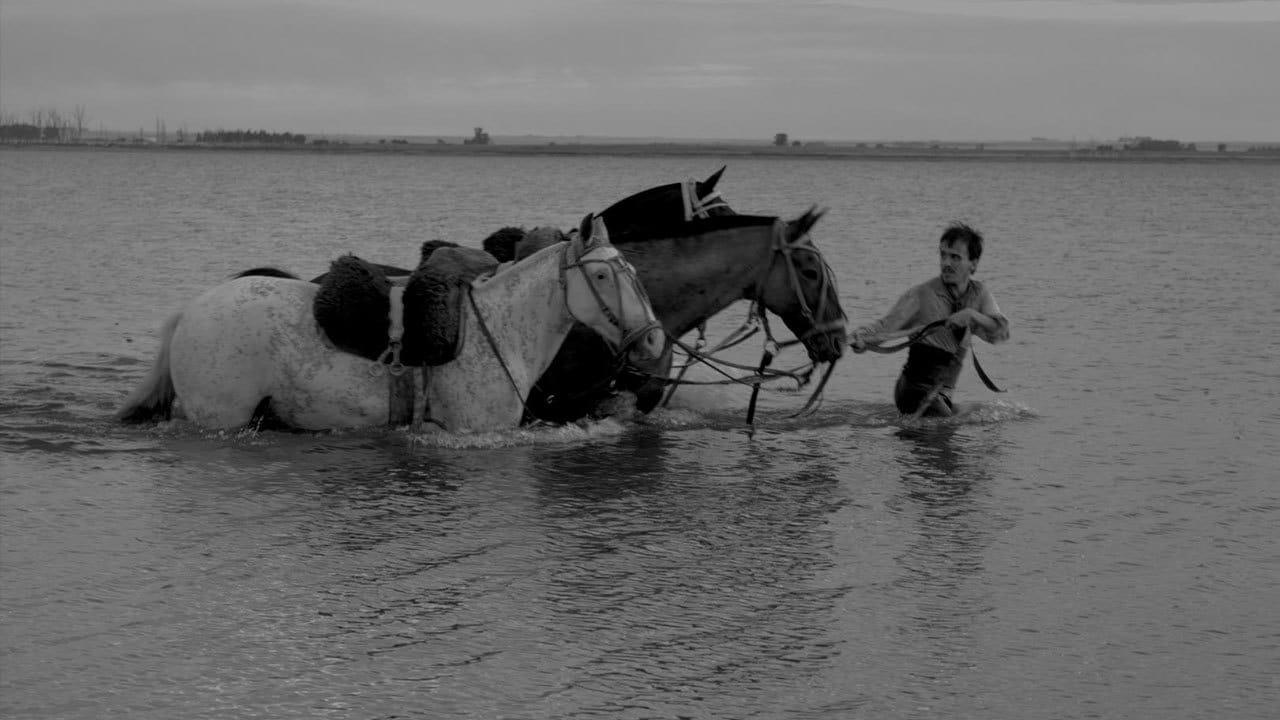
<point x="353" y="305"/>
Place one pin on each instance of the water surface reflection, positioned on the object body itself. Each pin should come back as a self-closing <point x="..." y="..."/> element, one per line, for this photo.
<point x="943" y="583"/>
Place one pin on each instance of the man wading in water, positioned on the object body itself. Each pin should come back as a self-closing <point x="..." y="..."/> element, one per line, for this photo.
<point x="935" y="360"/>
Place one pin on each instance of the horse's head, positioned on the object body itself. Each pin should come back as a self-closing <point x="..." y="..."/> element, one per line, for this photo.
<point x="666" y="204"/>
<point x="603" y="293"/>
<point x="801" y="289"/>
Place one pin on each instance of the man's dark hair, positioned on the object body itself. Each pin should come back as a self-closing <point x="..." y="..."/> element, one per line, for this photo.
<point x="961" y="232"/>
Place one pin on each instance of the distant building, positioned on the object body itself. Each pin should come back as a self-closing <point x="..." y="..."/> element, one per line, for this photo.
<point x="479" y="138"/>
<point x="780" y="139"/>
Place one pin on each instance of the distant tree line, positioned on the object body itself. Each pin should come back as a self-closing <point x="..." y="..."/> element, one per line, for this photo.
<point x="44" y="125"/>
<point x="1152" y="144"/>
<point x="251" y="136"/>
<point x="21" y="132"/>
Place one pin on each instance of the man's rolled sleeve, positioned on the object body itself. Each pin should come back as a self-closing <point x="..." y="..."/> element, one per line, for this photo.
<point x="992" y="311"/>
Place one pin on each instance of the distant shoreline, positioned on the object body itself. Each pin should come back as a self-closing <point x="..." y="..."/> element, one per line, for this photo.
<point x="720" y="150"/>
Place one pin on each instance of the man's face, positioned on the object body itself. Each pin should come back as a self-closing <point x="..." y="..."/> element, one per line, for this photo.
<point x="955" y="263"/>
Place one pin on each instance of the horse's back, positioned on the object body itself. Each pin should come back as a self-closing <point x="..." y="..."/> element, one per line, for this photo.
<point x="220" y="353"/>
<point x="255" y="338"/>
<point x="246" y="307"/>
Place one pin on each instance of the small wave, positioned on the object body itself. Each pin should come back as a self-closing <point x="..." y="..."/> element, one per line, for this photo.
<point x="995" y="411"/>
<point x="83" y="362"/>
<point x="185" y="429"/>
<point x="40" y="407"/>
<point x="60" y="432"/>
<point x="42" y="445"/>
<point x="675" y="419"/>
<point x="533" y="435"/>
<point x="72" y="446"/>
<point x="978" y="413"/>
<point x="854" y="414"/>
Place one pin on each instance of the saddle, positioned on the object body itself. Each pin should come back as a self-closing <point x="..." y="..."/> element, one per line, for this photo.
<point x="353" y="305"/>
<point x="513" y="244"/>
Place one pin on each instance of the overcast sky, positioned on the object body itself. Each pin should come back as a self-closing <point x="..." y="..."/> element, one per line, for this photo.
<point x="816" y="69"/>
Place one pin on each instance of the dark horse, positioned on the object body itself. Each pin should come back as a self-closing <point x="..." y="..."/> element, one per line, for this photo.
<point x="692" y="270"/>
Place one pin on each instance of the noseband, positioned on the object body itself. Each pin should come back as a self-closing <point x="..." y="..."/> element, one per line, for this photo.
<point x="622" y="271"/>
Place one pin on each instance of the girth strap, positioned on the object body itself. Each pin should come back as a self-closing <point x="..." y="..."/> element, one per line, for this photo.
<point x="407" y="401"/>
<point x="395" y="331"/>
<point x="401" y="398"/>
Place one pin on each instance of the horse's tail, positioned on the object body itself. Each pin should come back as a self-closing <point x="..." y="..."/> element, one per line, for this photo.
<point x="153" y="399"/>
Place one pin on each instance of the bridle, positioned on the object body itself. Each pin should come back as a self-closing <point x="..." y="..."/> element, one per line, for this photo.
<point x="621" y="270"/>
<point x="784" y="250"/>
<point x="696" y="206"/>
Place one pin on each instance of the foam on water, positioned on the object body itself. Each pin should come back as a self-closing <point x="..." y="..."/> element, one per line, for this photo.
<point x="976" y="413"/>
<point x="530" y="435"/>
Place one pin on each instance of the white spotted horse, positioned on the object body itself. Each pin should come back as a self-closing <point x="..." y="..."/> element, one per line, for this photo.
<point x="252" y="345"/>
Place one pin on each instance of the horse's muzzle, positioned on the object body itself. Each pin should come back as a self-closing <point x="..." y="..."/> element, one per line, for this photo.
<point x="826" y="346"/>
<point x="645" y="344"/>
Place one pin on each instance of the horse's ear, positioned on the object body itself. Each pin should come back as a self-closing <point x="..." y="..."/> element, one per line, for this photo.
<point x="576" y="249"/>
<point x="585" y="227"/>
<point x="805" y="222"/>
<point x="599" y="233"/>
<point x="710" y="183"/>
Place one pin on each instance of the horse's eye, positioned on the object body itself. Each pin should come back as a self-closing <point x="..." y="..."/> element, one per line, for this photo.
<point x="601" y="276"/>
<point x="810" y="274"/>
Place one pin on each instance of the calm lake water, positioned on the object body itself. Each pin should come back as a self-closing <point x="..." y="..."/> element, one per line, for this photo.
<point x="1100" y="541"/>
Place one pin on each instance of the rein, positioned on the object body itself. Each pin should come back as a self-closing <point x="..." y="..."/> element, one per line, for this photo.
<point x="915" y="335"/>
<point x="801" y="374"/>
<point x="780" y="250"/>
<point x="493" y="345"/>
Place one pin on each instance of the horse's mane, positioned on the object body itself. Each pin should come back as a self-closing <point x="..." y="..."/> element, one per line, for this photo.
<point x="636" y="213"/>
<point x="673" y="229"/>
<point x="619" y="209"/>
<point x="632" y="215"/>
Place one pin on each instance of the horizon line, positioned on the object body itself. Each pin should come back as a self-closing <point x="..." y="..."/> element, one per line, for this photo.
<point x="606" y="139"/>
